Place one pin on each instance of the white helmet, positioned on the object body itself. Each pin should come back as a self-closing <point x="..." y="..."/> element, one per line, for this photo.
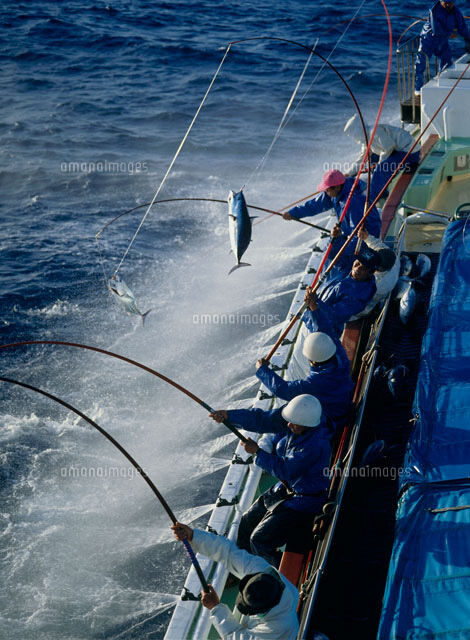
<point x="318" y="347"/>
<point x="304" y="410"/>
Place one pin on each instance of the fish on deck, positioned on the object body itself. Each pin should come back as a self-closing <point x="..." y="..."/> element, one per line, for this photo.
<point x="126" y="297"/>
<point x="409" y="285"/>
<point x="239" y="226"/>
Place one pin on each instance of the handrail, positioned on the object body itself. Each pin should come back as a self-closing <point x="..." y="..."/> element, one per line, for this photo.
<point x="406" y="55"/>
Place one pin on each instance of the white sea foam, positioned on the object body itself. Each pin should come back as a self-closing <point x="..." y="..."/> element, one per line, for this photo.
<point x="58" y="309"/>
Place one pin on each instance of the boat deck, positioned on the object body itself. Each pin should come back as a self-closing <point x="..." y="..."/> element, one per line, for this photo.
<point x="350" y="594"/>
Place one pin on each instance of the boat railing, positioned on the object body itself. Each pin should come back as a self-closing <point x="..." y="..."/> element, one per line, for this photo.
<point x="409" y="102"/>
<point x="239" y="487"/>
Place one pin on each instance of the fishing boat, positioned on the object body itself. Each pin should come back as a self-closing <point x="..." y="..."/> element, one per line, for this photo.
<point x="355" y="544"/>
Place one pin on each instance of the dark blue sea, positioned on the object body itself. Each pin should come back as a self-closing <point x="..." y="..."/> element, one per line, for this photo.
<point x="96" y="99"/>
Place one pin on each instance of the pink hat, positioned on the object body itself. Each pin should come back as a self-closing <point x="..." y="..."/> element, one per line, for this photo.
<point x="332" y="178"/>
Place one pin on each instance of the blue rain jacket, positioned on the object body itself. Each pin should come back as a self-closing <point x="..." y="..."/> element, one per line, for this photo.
<point x="302" y="461"/>
<point x="329" y="382"/>
<point x="355" y="211"/>
<point x="339" y="298"/>
<point x="441" y="23"/>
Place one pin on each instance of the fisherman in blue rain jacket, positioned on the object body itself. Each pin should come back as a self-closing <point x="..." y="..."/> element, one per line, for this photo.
<point x="336" y="188"/>
<point x="344" y="293"/>
<point x="444" y="17"/>
<point x="284" y="514"/>
<point x="328" y="380"/>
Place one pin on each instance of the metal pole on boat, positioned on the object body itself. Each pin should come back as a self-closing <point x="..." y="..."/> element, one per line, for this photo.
<point x="134" y="463"/>
<point x="439" y="214"/>
<point x="203" y="404"/>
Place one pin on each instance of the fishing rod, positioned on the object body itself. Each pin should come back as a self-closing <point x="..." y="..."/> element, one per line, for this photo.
<point x="400" y="165"/>
<point x="250" y="206"/>
<point x="316" y="283"/>
<point x="203" y="404"/>
<point x="134" y="463"/>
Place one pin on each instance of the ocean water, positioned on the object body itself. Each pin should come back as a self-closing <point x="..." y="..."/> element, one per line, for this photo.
<point x="95" y="101"/>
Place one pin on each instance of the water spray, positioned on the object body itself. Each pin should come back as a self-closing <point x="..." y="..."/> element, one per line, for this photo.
<point x="134" y="463"/>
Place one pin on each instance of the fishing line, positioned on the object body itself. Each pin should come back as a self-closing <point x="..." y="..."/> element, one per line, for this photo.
<point x="174" y="159"/>
<point x="407" y="29"/>
<point x="349" y="22"/>
<point x="270" y="211"/>
<point x="140" y="206"/>
<point x="203" y="404"/>
<point x="280" y="126"/>
<point x="134" y="463"/>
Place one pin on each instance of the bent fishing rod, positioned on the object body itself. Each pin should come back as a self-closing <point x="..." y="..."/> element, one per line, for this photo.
<point x="250" y="206"/>
<point x="400" y="165"/>
<point x="133" y="462"/>
<point x="203" y="404"/>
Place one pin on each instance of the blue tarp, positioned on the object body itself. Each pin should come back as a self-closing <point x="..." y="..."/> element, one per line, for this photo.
<point x="428" y="587"/>
<point x="439" y="447"/>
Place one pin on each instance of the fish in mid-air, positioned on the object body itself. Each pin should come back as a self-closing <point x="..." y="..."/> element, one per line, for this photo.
<point x="239" y="226"/>
<point x="126" y="297"/>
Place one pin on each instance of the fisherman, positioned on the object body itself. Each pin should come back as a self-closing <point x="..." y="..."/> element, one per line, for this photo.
<point x="390" y="144"/>
<point x="266" y="599"/>
<point x="387" y="273"/>
<point x="444" y="18"/>
<point x="335" y="189"/>
<point x="284" y="514"/>
<point x="345" y="292"/>
<point x="329" y="379"/>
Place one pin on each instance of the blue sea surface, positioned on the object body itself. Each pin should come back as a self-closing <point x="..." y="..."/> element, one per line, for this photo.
<point x="96" y="99"/>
